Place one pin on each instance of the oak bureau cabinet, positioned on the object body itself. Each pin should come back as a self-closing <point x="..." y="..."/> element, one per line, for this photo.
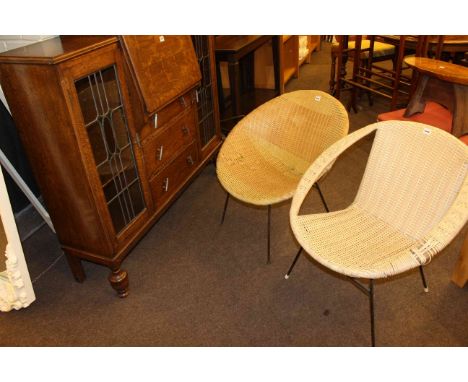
<point x="110" y="126"/>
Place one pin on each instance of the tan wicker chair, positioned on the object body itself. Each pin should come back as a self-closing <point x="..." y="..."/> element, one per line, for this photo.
<point x="412" y="201"/>
<point x="267" y="152"/>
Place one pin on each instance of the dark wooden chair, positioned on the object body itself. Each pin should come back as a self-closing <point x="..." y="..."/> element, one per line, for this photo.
<point x="381" y="51"/>
<point x="394" y="84"/>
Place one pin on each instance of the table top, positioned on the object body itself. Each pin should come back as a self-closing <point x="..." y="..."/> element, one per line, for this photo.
<point x="448" y="39"/>
<point x="234" y="43"/>
<point x="451" y="44"/>
<point x="233" y="48"/>
<point x="439" y="69"/>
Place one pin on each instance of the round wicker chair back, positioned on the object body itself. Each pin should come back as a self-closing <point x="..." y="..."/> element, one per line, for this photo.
<point x="413" y="175"/>
<point x="265" y="155"/>
<point x="412" y="201"/>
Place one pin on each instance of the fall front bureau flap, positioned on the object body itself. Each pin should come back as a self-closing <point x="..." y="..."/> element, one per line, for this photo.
<point x="163" y="67"/>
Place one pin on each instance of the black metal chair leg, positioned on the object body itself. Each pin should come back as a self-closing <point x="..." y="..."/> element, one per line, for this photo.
<point x="286" y="276"/>
<point x="426" y="288"/>
<point x="269" y="223"/>
<point x="225" y="207"/>
<point x="369" y="292"/>
<point x="371" y="300"/>
<point x="321" y="197"/>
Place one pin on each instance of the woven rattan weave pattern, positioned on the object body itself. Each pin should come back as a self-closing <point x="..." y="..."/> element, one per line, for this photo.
<point x="267" y="152"/>
<point x="412" y="201"/>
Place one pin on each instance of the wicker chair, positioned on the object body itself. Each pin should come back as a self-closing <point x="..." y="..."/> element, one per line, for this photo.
<point x="412" y="201"/>
<point x="267" y="152"/>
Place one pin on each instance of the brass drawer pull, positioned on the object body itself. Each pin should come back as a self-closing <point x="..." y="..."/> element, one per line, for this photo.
<point x="190" y="160"/>
<point x="160" y="152"/>
<point x="156" y="121"/>
<point x="185" y="130"/>
<point x="166" y="184"/>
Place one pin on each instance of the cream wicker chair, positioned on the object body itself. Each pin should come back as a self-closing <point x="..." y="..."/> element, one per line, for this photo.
<point x="412" y="201"/>
<point x="267" y="152"/>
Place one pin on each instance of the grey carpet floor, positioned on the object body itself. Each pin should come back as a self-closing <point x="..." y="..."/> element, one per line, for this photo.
<point x="194" y="282"/>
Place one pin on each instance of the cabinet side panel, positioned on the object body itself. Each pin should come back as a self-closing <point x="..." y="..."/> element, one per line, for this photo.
<point x="40" y="113"/>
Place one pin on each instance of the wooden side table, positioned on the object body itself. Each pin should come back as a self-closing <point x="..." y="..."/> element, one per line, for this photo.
<point x="442" y="82"/>
<point x="234" y="48"/>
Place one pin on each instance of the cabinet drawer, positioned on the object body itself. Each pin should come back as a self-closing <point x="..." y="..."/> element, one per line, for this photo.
<point x="165" y="115"/>
<point x="168" y="180"/>
<point x="160" y="148"/>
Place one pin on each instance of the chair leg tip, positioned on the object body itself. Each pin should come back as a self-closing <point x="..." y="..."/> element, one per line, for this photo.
<point x="426" y="290"/>
<point x="286" y="277"/>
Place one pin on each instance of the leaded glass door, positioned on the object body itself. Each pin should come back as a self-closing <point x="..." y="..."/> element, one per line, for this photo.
<point x="208" y="120"/>
<point x="100" y="99"/>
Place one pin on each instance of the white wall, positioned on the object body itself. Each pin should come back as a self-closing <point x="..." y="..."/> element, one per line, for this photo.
<point x="8" y="42"/>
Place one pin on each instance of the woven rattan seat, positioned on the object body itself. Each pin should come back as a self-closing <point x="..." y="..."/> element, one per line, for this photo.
<point x="350" y="242"/>
<point x="267" y="152"/>
<point x="411" y="203"/>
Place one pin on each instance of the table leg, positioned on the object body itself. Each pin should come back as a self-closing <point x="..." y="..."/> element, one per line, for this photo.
<point x="247" y="71"/>
<point x="460" y="114"/>
<point x="219" y="80"/>
<point x="460" y="273"/>
<point x="341" y="64"/>
<point x="417" y="103"/>
<point x="275" y="46"/>
<point x="234" y="83"/>
<point x="331" y="83"/>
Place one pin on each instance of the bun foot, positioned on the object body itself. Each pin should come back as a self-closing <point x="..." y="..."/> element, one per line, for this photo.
<point x="76" y="267"/>
<point x="119" y="281"/>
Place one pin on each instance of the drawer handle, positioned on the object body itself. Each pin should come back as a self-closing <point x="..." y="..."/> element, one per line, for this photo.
<point x="190" y="160"/>
<point x="182" y="101"/>
<point x="185" y="130"/>
<point x="156" y="121"/>
<point x="166" y="184"/>
<point x="160" y="152"/>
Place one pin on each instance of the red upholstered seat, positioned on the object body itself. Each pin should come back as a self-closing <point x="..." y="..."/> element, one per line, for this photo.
<point x="464" y="139"/>
<point x="434" y="115"/>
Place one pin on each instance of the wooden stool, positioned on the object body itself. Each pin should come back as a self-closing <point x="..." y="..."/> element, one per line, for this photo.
<point x="442" y="82"/>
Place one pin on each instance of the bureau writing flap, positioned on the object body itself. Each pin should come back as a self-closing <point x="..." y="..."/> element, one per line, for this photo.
<point x="163" y="67"/>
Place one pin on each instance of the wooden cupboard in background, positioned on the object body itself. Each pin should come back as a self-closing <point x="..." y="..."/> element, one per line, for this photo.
<point x="289" y="50"/>
<point x="294" y="51"/>
<point x="115" y="128"/>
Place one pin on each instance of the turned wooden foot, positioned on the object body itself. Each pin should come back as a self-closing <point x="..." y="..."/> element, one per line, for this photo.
<point x="119" y="281"/>
<point x="76" y="267"/>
